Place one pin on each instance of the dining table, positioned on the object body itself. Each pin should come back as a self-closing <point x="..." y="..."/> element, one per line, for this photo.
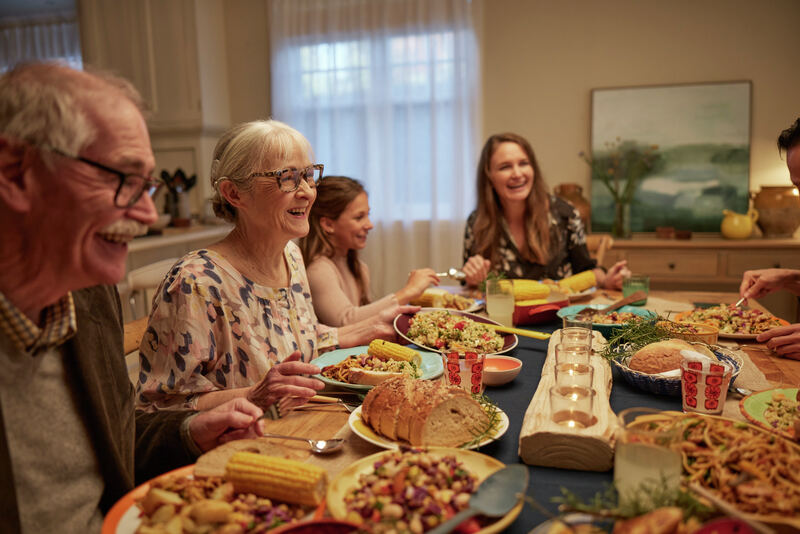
<point x="765" y="370"/>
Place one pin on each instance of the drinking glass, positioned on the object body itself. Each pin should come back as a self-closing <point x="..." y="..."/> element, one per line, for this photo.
<point x="646" y="455"/>
<point x="500" y="301"/>
<point x="636" y="283"/>
<point x="704" y="385"/>
<point x="465" y="370"/>
<point x="571" y="406"/>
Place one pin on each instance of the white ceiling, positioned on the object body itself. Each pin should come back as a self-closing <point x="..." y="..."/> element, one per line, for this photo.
<point x="27" y="8"/>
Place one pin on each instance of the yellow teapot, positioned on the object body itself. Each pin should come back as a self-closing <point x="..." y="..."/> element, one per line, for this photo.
<point x="738" y="225"/>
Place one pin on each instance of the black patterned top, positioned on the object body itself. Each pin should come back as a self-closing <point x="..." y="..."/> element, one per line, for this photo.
<point x="569" y="254"/>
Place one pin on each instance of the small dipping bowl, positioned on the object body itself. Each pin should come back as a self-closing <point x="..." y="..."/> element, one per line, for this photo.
<point x="499" y="370"/>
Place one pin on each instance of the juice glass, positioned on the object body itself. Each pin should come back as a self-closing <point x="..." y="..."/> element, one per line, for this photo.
<point x="500" y="301"/>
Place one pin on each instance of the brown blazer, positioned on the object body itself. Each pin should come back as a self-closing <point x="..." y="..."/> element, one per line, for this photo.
<point x="99" y="380"/>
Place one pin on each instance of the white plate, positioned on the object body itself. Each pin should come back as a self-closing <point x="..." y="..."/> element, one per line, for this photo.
<point x="586" y="293"/>
<point x="431" y="365"/>
<point x="362" y="430"/>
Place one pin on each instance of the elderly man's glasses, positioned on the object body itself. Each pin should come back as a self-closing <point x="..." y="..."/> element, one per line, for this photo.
<point x="131" y="185"/>
<point x="289" y="179"/>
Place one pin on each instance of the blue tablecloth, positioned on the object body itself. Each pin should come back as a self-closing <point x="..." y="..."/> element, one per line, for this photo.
<point x="514" y="398"/>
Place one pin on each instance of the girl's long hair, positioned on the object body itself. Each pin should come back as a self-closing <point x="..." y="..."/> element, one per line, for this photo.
<point x="488" y="229"/>
<point x="334" y="193"/>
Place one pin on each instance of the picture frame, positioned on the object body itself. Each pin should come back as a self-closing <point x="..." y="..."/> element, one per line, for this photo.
<point x="692" y="142"/>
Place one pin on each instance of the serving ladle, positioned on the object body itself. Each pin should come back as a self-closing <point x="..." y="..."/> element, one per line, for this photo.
<point x="496" y="496"/>
<point x="320" y="446"/>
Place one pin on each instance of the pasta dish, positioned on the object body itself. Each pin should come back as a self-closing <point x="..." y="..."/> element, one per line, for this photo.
<point x="341" y="371"/>
<point x="753" y="470"/>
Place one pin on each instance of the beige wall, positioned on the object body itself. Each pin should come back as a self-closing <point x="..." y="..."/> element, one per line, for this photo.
<point x="541" y="58"/>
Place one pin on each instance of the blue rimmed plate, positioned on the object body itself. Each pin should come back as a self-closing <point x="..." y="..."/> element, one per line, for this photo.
<point x="431" y="365"/>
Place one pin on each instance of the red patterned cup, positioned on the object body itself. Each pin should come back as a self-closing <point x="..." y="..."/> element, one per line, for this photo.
<point x="465" y="370"/>
<point x="704" y="385"/>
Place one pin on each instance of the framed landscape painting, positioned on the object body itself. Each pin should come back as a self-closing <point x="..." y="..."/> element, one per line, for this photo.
<point x="685" y="147"/>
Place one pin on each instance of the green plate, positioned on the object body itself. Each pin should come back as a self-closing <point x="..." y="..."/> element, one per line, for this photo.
<point x="753" y="408"/>
<point x="431" y="365"/>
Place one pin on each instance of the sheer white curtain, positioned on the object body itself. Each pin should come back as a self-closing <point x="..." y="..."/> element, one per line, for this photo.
<point x="387" y="92"/>
<point x="40" y="38"/>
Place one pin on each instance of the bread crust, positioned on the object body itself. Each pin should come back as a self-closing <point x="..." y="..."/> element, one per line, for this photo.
<point x="664" y="356"/>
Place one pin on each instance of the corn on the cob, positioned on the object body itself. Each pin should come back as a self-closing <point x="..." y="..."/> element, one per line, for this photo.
<point x="277" y="478"/>
<point x="429" y="299"/>
<point x="386" y="350"/>
<point x="578" y="282"/>
<point x="527" y="289"/>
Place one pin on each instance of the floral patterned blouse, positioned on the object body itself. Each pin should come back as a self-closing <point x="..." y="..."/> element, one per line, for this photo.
<point x="569" y="253"/>
<point x="211" y="328"/>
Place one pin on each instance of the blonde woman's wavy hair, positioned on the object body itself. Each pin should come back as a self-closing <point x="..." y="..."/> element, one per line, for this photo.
<point x="334" y="194"/>
<point x="250" y="147"/>
<point x="488" y="229"/>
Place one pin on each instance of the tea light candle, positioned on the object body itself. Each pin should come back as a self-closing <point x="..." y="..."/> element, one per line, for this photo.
<point x="571" y="406"/>
<point x="574" y="374"/>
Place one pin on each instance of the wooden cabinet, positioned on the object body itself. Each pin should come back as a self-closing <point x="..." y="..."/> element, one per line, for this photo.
<point x="706" y="263"/>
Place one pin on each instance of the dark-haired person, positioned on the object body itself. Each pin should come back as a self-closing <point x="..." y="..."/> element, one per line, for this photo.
<point x="519" y="229"/>
<point x="75" y="183"/>
<point x="339" y="224"/>
<point x="784" y="340"/>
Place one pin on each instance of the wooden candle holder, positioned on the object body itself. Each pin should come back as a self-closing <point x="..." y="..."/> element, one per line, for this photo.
<point x="544" y="442"/>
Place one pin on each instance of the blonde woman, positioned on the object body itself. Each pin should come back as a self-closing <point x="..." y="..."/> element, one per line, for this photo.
<point x="235" y="319"/>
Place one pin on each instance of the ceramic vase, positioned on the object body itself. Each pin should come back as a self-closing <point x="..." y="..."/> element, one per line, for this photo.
<point x="779" y="210"/>
<point x="573" y="193"/>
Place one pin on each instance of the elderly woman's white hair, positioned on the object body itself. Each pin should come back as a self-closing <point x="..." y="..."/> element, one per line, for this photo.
<point x="249" y="147"/>
<point x="43" y="104"/>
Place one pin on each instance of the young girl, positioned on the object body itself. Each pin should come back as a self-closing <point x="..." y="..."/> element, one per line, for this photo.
<point x="339" y="224"/>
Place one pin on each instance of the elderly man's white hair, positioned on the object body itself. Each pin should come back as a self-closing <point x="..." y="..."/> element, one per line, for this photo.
<point x="47" y="104"/>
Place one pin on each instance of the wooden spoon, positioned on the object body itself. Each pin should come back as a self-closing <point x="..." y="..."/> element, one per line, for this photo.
<point x="633" y="297"/>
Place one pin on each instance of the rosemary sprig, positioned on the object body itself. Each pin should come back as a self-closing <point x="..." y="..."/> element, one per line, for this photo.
<point x="649" y="496"/>
<point x="633" y="335"/>
<point x="481" y="432"/>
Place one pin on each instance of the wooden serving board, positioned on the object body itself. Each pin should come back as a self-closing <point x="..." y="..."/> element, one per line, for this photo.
<point x="543" y="442"/>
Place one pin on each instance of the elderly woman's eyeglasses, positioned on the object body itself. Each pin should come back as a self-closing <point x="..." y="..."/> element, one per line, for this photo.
<point x="289" y="179"/>
<point x="131" y="185"/>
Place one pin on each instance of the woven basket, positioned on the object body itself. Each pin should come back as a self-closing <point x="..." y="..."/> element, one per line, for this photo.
<point x="661" y="385"/>
<point x="705" y="333"/>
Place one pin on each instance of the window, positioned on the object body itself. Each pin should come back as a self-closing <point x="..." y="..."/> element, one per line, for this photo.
<point x="393" y="109"/>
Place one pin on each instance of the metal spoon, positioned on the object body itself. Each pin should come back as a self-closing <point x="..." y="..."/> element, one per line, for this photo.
<point x="321" y="446"/>
<point x="744" y="392"/>
<point x="495" y="497"/>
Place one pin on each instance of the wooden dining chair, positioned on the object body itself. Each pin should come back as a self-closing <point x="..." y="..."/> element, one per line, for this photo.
<point x="598" y="245"/>
<point x="133" y="332"/>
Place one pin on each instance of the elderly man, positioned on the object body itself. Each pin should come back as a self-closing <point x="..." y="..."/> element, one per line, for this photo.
<point x="786" y="339"/>
<point x="75" y="185"/>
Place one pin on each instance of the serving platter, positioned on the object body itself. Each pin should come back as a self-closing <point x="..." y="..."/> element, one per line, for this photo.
<point x="478" y="464"/>
<point x="582" y="295"/>
<point x="123" y="518"/>
<point x="362" y="430"/>
<point x="754" y="408"/>
<point x="431" y="365"/>
<point x="726" y="335"/>
<point x="402" y="323"/>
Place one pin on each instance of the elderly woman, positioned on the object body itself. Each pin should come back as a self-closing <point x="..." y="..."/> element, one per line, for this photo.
<point x="235" y="319"/>
<point x="339" y="224"/>
<point x="519" y="229"/>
